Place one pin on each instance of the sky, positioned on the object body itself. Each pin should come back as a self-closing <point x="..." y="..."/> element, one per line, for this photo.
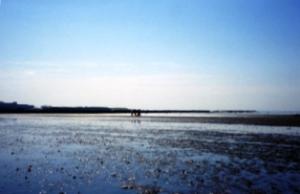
<point x="156" y="54"/>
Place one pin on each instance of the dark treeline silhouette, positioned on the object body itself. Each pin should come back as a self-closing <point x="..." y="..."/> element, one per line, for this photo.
<point x="14" y="107"/>
<point x="52" y="109"/>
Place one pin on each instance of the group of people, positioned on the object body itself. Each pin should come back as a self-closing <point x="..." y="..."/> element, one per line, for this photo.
<point x="135" y="113"/>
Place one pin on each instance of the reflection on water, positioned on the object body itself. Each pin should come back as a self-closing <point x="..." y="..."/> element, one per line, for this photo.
<point x="120" y="154"/>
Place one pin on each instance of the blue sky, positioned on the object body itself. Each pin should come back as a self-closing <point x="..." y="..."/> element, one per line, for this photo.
<point x="209" y="54"/>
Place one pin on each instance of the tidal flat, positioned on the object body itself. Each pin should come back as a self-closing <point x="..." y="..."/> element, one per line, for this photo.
<point x="92" y="153"/>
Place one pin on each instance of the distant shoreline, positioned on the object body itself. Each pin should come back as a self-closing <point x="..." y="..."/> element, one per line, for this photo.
<point x="14" y="107"/>
<point x="112" y="111"/>
<point x="248" y="117"/>
<point x="242" y="119"/>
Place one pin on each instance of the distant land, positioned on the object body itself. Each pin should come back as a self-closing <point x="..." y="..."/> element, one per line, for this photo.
<point x="233" y="116"/>
<point x="14" y="107"/>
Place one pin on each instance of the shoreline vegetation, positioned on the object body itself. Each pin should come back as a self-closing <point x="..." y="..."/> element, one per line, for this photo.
<point x="237" y="117"/>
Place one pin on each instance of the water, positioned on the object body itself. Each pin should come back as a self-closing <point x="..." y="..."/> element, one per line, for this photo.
<point x="120" y="154"/>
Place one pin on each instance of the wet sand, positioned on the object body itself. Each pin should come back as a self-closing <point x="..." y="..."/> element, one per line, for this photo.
<point x="243" y="118"/>
<point x="268" y="120"/>
<point x="91" y="154"/>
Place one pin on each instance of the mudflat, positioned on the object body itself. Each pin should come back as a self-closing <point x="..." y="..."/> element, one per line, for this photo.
<point x="268" y="120"/>
<point x="109" y="154"/>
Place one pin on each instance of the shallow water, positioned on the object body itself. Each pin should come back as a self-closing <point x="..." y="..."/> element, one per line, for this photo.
<point x="120" y="154"/>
